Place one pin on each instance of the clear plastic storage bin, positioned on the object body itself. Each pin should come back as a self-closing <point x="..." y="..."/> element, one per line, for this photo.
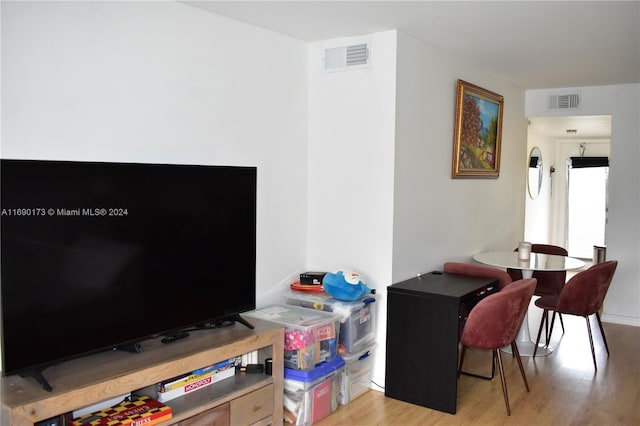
<point x="310" y="396"/>
<point x="310" y="337"/>
<point x="357" y="375"/>
<point x="357" y="318"/>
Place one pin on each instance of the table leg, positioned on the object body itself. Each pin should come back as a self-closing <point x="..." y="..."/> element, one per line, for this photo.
<point x="526" y="346"/>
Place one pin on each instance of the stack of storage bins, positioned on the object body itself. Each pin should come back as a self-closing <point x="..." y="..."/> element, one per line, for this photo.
<point x="356" y="341"/>
<point x="313" y="368"/>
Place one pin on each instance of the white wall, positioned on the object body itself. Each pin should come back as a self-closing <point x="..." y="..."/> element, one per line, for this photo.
<point x="351" y="132"/>
<point x="351" y="164"/>
<point x="437" y="218"/>
<point x="537" y="212"/>
<point x="622" y="102"/>
<point x="164" y="82"/>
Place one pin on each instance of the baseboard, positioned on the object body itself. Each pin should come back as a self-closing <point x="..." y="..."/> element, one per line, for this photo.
<point x="620" y="319"/>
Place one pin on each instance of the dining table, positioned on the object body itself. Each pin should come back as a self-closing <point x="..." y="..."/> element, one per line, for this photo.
<point x="535" y="262"/>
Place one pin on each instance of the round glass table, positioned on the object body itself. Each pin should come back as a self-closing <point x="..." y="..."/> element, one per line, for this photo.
<point x="536" y="262"/>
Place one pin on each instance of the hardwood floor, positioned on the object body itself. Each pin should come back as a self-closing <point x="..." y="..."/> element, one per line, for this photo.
<point x="565" y="389"/>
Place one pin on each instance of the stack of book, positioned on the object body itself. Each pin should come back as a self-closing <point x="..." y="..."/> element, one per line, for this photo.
<point x="134" y="411"/>
<point x="198" y="379"/>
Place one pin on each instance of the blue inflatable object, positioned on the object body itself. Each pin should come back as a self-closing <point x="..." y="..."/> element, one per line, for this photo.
<point x="344" y="285"/>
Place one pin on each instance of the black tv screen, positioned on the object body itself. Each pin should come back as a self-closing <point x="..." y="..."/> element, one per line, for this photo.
<point x="96" y="255"/>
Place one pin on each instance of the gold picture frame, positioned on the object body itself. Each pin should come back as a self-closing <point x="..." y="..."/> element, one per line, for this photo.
<point x="478" y="132"/>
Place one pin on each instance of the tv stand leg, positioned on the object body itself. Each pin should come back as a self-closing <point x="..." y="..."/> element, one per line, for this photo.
<point x="130" y="347"/>
<point x="242" y="321"/>
<point x="37" y="375"/>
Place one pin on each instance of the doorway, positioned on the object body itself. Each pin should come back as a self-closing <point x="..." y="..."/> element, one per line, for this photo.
<point x="580" y="203"/>
<point x="587" y="204"/>
<point x="572" y="206"/>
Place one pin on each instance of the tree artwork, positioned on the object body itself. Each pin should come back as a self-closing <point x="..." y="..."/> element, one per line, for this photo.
<point x="478" y="125"/>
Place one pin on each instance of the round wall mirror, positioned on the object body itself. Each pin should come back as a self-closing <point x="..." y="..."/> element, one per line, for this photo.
<point x="535" y="172"/>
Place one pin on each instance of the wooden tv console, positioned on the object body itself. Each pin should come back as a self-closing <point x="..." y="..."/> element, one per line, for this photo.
<point x="244" y="399"/>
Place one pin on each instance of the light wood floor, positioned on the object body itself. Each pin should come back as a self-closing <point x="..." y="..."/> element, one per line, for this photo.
<point x="565" y="389"/>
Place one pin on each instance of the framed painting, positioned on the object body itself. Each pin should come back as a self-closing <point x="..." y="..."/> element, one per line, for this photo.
<point x="478" y="132"/>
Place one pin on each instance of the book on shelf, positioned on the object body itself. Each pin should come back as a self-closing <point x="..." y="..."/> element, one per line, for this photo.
<point x="201" y="382"/>
<point x="137" y="411"/>
<point x="195" y="375"/>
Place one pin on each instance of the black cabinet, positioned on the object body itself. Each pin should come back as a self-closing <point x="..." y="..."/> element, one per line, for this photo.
<point x="424" y="318"/>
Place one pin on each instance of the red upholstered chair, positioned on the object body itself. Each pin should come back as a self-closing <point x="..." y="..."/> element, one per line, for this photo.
<point x="582" y="295"/>
<point x="477" y="270"/>
<point x="494" y="323"/>
<point x="549" y="282"/>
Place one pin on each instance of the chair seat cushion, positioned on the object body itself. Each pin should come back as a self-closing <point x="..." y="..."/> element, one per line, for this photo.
<point x="547" y="302"/>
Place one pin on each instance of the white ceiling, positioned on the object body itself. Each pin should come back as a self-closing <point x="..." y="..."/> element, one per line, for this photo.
<point x="534" y="44"/>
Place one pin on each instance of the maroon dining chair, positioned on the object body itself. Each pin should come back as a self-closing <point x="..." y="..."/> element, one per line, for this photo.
<point x="549" y="282"/>
<point x="477" y="270"/>
<point x="494" y="323"/>
<point x="583" y="296"/>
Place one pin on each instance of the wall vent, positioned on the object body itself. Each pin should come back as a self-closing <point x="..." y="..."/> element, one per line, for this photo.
<point x="566" y="101"/>
<point x="346" y="57"/>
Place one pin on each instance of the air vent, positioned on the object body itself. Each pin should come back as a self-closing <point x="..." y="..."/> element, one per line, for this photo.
<point x="358" y="54"/>
<point x="346" y="57"/>
<point x="568" y="101"/>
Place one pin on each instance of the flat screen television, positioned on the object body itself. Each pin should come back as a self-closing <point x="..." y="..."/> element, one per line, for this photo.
<point x="97" y="255"/>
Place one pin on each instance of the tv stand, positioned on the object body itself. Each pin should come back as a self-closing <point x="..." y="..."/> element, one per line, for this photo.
<point x="242" y="399"/>
<point x="39" y="377"/>
<point x="36" y="373"/>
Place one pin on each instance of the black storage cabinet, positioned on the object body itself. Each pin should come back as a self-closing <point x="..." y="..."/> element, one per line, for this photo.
<point x="425" y="315"/>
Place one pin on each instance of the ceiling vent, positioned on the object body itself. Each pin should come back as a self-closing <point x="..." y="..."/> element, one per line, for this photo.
<point x="341" y="58"/>
<point x="565" y="101"/>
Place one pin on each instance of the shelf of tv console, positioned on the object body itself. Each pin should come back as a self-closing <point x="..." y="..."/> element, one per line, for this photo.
<point x="84" y="381"/>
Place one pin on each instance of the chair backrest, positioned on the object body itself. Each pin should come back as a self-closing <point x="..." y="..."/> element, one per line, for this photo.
<point x="584" y="293"/>
<point x="477" y="270"/>
<point x="494" y="322"/>
<point x="549" y="282"/>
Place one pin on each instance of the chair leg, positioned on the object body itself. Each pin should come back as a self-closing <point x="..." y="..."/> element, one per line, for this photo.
<point x="504" y="382"/>
<point x="593" y="352"/>
<point x="462" y="351"/>
<point x="547" y="333"/>
<point x="478" y="376"/>
<point x="544" y="319"/>
<point x="602" y="332"/>
<point x="553" y="321"/>
<point x="514" y="349"/>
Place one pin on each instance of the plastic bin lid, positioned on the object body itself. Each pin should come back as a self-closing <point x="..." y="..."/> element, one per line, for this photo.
<point x="293" y="316"/>
<point x="324" y="302"/>
<point x="311" y="375"/>
<point x="361" y="354"/>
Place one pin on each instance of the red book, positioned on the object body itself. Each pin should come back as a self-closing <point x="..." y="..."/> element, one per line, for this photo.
<point x="321" y="405"/>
